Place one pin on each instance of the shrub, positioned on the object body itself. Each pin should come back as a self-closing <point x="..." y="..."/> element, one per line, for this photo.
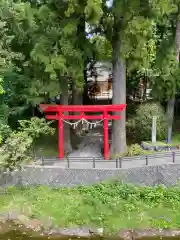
<point x="17" y="147"/>
<point x="16" y="150"/>
<point x="36" y="127"/>
<point x="140" y="126"/>
<point x="134" y="150"/>
<point x="5" y="131"/>
<point x="131" y="109"/>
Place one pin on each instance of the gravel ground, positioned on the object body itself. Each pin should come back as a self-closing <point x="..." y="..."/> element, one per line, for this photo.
<point x="90" y="146"/>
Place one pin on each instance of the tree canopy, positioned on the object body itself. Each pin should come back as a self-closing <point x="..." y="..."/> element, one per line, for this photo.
<point x="46" y="45"/>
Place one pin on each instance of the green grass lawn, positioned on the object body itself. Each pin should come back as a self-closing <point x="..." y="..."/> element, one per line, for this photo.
<point x="112" y="206"/>
<point x="175" y="141"/>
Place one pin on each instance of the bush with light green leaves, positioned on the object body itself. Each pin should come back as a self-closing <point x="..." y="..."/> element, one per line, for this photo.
<point x="17" y="149"/>
<point x="140" y="126"/>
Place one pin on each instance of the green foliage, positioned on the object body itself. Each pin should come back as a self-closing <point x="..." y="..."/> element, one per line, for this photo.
<point x="167" y="80"/>
<point x="17" y="149"/>
<point x="93" y="11"/>
<point x="45" y="40"/>
<point x="15" y="88"/>
<point x="36" y="127"/>
<point x="140" y="43"/>
<point x="13" y="100"/>
<point x="134" y="150"/>
<point x="44" y="49"/>
<point x="100" y="205"/>
<point x="161" y="8"/>
<point x="5" y="131"/>
<point x="141" y="124"/>
<point x="54" y="54"/>
<point x="131" y="109"/>
<point x="101" y="47"/>
<point x="1" y="87"/>
<point x="1" y="116"/>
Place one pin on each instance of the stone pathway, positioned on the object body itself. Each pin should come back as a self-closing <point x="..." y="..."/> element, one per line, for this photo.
<point x="112" y="164"/>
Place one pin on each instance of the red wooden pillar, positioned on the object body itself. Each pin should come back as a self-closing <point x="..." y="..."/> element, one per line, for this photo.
<point x="106" y="138"/>
<point x="60" y="136"/>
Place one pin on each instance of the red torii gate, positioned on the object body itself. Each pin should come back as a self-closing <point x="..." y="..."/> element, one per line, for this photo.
<point x="58" y="114"/>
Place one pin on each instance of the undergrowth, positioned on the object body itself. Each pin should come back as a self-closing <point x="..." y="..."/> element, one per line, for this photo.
<point x="111" y="206"/>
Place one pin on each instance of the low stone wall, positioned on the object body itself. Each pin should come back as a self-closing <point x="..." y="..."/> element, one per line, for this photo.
<point x="55" y="176"/>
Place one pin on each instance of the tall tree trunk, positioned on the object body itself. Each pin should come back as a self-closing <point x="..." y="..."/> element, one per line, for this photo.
<point x="81" y="43"/>
<point x="170" y="116"/>
<point x="171" y="102"/>
<point x="178" y="40"/>
<point x="76" y="95"/>
<point x="119" y="94"/>
<point x="67" y="136"/>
